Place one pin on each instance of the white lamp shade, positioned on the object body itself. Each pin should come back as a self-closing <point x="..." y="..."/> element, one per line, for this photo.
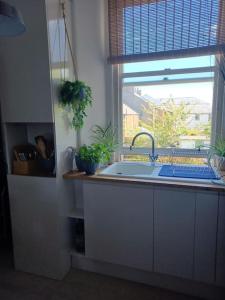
<point x="11" y="22"/>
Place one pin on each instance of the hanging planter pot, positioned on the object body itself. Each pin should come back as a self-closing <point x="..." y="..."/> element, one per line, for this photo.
<point x="77" y="96"/>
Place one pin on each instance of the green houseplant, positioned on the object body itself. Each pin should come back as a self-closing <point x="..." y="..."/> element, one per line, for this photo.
<point x="77" y="96"/>
<point x="89" y="157"/>
<point x="107" y="137"/>
<point x="218" y="152"/>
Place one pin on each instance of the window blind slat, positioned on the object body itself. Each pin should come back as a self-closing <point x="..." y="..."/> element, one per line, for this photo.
<point x="158" y="29"/>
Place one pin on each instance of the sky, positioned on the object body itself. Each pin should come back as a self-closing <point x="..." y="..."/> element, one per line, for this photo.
<point x="203" y="90"/>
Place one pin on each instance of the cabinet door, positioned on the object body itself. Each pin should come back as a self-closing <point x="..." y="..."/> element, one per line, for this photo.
<point x="25" y="81"/>
<point x="205" y="236"/>
<point x="35" y="225"/>
<point x="119" y="224"/>
<point x="220" y="268"/>
<point x="174" y="213"/>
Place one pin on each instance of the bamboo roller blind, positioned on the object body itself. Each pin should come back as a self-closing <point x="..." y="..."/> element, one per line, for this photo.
<point x="157" y="29"/>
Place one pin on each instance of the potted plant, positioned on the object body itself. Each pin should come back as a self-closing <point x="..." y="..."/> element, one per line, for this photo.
<point x="89" y="157"/>
<point x="218" y="152"/>
<point x="77" y="96"/>
<point x="106" y="136"/>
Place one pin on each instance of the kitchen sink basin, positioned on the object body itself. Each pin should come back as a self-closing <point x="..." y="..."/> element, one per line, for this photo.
<point x="129" y="169"/>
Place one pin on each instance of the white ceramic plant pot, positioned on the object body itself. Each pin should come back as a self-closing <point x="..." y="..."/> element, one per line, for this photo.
<point x="219" y="162"/>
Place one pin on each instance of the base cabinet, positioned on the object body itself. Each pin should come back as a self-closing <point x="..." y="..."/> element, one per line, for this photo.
<point x="174" y="232"/>
<point x="169" y="231"/>
<point x="36" y="226"/>
<point x="119" y="225"/>
<point x="186" y="233"/>
<point x="206" y="217"/>
<point x="220" y="263"/>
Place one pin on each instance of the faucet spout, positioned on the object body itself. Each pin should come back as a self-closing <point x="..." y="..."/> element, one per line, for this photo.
<point x="152" y="156"/>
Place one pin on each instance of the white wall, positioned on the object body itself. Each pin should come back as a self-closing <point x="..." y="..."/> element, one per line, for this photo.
<point x="89" y="43"/>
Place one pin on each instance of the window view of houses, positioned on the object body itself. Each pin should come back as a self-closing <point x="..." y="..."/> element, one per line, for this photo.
<point x="181" y="122"/>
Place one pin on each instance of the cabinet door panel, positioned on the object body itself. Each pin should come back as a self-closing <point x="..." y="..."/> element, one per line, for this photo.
<point x="35" y="225"/>
<point x="174" y="232"/>
<point x="220" y="268"/>
<point x="205" y="236"/>
<point x="119" y="224"/>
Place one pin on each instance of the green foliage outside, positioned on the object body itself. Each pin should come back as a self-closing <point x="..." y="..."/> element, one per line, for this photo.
<point x="167" y="129"/>
<point x="172" y="124"/>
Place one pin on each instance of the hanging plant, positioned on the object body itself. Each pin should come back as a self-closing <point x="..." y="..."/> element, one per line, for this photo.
<point x="77" y="96"/>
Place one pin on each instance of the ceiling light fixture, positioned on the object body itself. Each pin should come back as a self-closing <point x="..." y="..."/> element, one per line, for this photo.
<point x="11" y="21"/>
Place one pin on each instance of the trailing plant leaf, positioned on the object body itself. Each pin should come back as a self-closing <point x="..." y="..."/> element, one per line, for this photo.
<point x="78" y="96"/>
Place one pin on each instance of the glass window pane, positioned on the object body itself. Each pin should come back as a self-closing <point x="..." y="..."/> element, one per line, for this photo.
<point x="166" y="159"/>
<point x="177" y="115"/>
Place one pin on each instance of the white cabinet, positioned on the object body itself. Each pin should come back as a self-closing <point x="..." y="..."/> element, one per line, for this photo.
<point x="205" y="236"/>
<point x="25" y="68"/>
<point x="185" y="233"/>
<point x="36" y="227"/>
<point x="174" y="216"/>
<point x="165" y="230"/>
<point x="30" y="106"/>
<point x="220" y="267"/>
<point x="119" y="224"/>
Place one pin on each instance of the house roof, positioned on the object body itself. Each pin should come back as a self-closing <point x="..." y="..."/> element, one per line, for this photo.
<point x="128" y="111"/>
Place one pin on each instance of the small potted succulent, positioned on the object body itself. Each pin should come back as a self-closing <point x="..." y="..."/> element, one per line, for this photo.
<point x="218" y="153"/>
<point x="77" y="96"/>
<point x="89" y="157"/>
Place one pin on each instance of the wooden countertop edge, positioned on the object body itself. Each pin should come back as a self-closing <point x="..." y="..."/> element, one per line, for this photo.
<point x="75" y="175"/>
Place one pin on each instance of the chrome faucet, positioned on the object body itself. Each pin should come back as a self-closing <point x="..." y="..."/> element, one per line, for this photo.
<point x="153" y="157"/>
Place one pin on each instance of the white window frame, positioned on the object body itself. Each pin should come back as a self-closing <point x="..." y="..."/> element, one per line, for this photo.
<point x="117" y="116"/>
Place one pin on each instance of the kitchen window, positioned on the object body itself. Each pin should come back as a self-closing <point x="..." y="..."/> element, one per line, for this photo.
<point x="171" y="99"/>
<point x="169" y="71"/>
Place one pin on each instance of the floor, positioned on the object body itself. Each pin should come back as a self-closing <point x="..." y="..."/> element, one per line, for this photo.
<point x="78" y="285"/>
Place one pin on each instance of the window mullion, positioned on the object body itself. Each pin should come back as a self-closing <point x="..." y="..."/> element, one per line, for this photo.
<point x="168" y="81"/>
<point x="168" y="72"/>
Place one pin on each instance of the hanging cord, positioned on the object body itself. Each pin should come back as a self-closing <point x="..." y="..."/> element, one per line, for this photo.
<point x="68" y="39"/>
<point x="74" y="60"/>
<point x="65" y="52"/>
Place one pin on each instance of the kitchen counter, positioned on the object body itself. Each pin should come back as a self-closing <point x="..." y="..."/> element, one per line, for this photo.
<point x="75" y="175"/>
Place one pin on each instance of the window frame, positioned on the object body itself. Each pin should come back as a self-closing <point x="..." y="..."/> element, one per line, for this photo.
<point x="118" y="76"/>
